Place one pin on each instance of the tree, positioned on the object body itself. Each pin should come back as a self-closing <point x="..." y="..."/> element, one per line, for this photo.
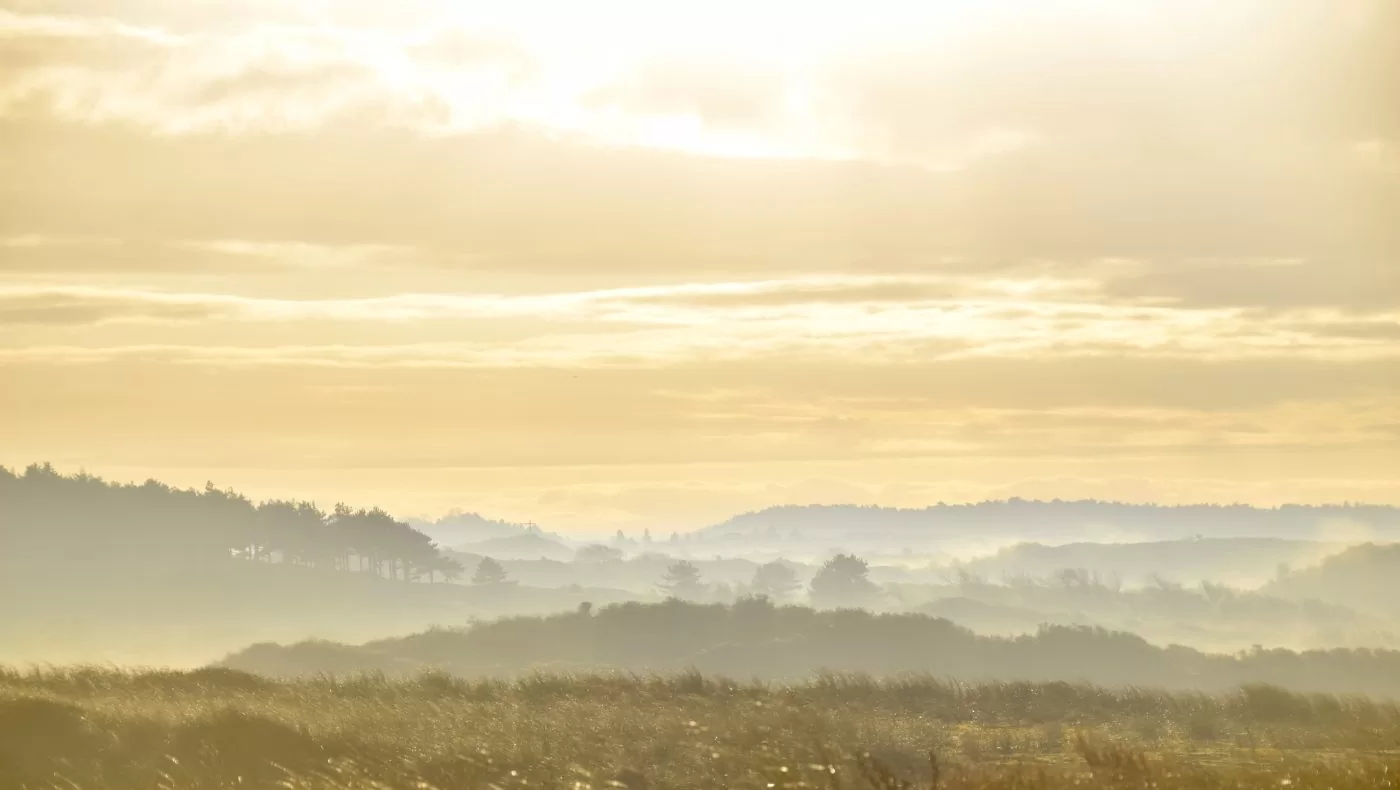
<point x="775" y="581"/>
<point x="489" y="572"/>
<point x="843" y="581"/>
<point x="682" y="580"/>
<point x="449" y="567"/>
<point x="296" y="530"/>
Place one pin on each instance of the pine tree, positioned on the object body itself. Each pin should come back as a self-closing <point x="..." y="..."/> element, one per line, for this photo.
<point x="489" y="572"/>
<point x="682" y="580"/>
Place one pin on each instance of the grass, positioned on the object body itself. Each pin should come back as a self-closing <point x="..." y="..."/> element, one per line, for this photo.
<point x="93" y="728"/>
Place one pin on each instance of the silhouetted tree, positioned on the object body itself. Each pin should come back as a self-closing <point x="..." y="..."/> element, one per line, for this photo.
<point x="843" y="581"/>
<point x="295" y="530"/>
<point x="682" y="580"/>
<point x="488" y="571"/>
<point x="449" y="567"/>
<point x="775" y="581"/>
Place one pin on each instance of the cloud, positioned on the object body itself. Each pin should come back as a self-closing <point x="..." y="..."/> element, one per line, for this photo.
<point x="920" y="86"/>
<point x="1359" y="283"/>
<point x="1155" y="134"/>
<point x="68" y="307"/>
<point x="719" y="92"/>
<point x="1195" y="72"/>
<point x="262" y="78"/>
<point x="486" y="197"/>
<point x="54" y="257"/>
<point x="662" y="326"/>
<point x="1148" y="248"/>
<point x="456" y="49"/>
<point x="944" y="430"/>
<point x="262" y="82"/>
<point x="45" y="42"/>
<point x="1385" y="328"/>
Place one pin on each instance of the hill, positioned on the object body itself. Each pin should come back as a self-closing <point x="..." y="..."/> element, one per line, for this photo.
<point x="524" y="546"/>
<point x="1365" y="577"/>
<point x="460" y="528"/>
<point x="754" y="639"/>
<point x="1237" y="561"/>
<point x="879" y="530"/>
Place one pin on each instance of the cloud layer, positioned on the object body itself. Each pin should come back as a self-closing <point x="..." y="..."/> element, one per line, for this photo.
<point x="642" y="267"/>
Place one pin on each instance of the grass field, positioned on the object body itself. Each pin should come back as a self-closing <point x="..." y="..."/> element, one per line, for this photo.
<point x="97" y="728"/>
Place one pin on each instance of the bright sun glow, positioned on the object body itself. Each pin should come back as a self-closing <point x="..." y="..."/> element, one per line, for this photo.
<point x="578" y="51"/>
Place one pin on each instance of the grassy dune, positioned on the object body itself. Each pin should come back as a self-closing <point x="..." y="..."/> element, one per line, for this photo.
<point x="217" y="728"/>
<point x="754" y="638"/>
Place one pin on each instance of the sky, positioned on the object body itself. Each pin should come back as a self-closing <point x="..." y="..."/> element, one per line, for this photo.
<point x="628" y="264"/>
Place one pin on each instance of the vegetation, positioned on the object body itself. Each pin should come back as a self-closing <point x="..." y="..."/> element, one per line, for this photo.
<point x="754" y="638"/>
<point x="81" y="517"/>
<point x="776" y="581"/>
<point x="682" y="580"/>
<point x="1363" y="576"/>
<point x="489" y="572"/>
<point x="1206" y="615"/>
<point x="92" y="728"/>
<point x="844" y="581"/>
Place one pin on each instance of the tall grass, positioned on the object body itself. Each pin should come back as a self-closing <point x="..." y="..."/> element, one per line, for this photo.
<point x="96" y="728"/>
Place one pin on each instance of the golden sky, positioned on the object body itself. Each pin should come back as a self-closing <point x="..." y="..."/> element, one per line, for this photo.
<point x="626" y="263"/>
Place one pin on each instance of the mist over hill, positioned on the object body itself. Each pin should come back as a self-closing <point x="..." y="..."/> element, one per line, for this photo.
<point x="1365" y="577"/>
<point x="103" y="571"/>
<point x="460" y="527"/>
<point x="525" y="546"/>
<point x="1247" y="562"/>
<point x="985" y="526"/>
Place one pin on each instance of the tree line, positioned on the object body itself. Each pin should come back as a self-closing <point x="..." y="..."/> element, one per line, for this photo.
<point x="82" y="517"/>
<point x="843" y="580"/>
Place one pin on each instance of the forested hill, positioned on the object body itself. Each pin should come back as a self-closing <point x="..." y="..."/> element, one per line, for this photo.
<point x="1054" y="521"/>
<point x="71" y="520"/>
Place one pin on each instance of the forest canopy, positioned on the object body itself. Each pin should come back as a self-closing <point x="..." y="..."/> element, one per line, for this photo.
<point x="83" y="518"/>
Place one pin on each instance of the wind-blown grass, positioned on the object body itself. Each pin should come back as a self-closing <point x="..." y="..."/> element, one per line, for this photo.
<point x="97" y="728"/>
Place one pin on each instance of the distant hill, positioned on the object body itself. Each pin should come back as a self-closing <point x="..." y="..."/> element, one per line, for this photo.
<point x="1365" y="577"/>
<point x="1236" y="561"/>
<point x="456" y="529"/>
<point x="524" y="546"/>
<point x="993" y="618"/>
<point x="880" y="529"/>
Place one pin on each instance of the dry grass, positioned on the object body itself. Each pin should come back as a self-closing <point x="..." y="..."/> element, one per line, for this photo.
<point x="96" y="728"/>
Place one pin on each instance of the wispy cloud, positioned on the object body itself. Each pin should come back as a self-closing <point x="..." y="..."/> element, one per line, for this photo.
<point x="894" y="320"/>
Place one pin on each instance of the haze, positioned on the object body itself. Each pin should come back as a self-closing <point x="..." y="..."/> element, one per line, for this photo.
<point x="669" y="396"/>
